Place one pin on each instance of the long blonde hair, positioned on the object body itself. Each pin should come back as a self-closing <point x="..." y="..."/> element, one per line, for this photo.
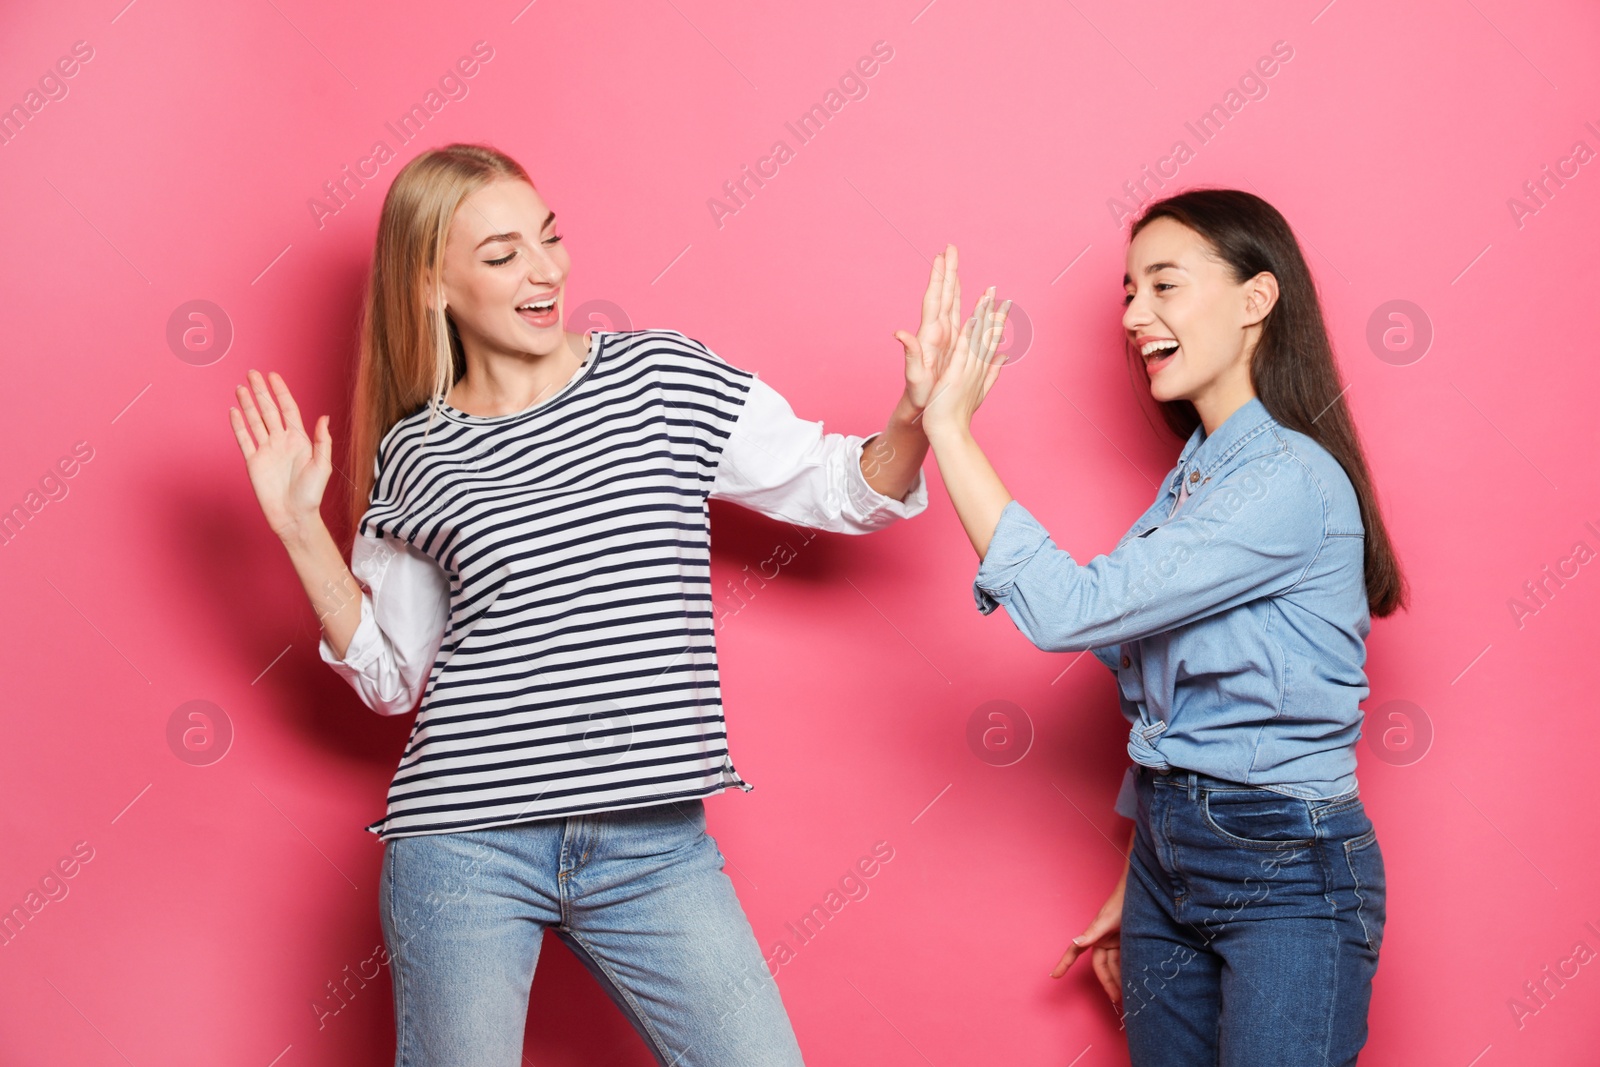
<point x="411" y="355"/>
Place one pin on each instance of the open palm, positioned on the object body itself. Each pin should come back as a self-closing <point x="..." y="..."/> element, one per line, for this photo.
<point x="287" y="469"/>
<point x="928" y="350"/>
<point x="971" y="368"/>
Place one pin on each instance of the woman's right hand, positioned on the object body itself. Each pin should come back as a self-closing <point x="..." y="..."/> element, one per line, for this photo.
<point x="1103" y="941"/>
<point x="288" y="471"/>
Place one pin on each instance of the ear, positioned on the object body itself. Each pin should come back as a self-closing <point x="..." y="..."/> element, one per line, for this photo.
<point x="1260" y="296"/>
<point x="427" y="288"/>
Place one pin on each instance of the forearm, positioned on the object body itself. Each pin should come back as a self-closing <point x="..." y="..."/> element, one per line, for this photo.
<point x="333" y="591"/>
<point x="975" y="489"/>
<point x="890" y="459"/>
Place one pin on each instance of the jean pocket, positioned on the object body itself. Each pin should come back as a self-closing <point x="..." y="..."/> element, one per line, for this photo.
<point x="1367" y="875"/>
<point x="1258" y="818"/>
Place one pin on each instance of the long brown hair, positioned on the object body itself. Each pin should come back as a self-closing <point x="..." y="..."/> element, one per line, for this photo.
<point x="1292" y="369"/>
<point x="411" y="355"/>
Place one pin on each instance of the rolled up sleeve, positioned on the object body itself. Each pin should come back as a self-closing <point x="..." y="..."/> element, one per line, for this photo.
<point x="405" y="610"/>
<point x="788" y="468"/>
<point x="1255" y="535"/>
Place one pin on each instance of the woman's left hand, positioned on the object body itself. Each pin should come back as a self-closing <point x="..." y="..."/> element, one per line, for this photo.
<point x="971" y="371"/>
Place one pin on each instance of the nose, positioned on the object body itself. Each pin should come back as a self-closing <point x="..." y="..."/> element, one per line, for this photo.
<point x="1134" y="316"/>
<point x="542" y="267"/>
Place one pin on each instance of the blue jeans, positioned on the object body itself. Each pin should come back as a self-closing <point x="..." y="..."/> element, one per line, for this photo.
<point x="639" y="897"/>
<point x="1251" y="925"/>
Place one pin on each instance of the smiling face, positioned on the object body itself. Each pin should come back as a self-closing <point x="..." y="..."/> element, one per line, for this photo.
<point x="503" y="254"/>
<point x="1177" y="290"/>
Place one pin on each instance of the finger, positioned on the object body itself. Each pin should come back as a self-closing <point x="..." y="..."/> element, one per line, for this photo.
<point x="952" y="277"/>
<point x="982" y="313"/>
<point x="251" y="415"/>
<point x="953" y="306"/>
<point x="933" y="296"/>
<point x="246" y="445"/>
<point x="978" y="329"/>
<point x="1066" y="960"/>
<point x="1000" y="323"/>
<point x="990" y="376"/>
<point x="993" y="332"/>
<point x="291" y="411"/>
<point x="980" y="322"/>
<point x="1104" y="974"/>
<point x="961" y="353"/>
<point x="986" y="339"/>
<point x="269" y="410"/>
<point x="1114" y="966"/>
<point x="947" y="283"/>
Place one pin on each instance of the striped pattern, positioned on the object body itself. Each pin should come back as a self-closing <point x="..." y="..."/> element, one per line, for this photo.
<point x="578" y="672"/>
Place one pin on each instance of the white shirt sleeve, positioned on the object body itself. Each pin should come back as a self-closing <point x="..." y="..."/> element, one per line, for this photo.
<point x="787" y="468"/>
<point x="404" y="614"/>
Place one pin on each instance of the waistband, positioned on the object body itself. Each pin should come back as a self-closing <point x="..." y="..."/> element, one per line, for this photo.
<point x="1187" y="779"/>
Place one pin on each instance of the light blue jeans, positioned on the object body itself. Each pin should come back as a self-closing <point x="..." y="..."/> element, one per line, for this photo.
<point x="639" y="896"/>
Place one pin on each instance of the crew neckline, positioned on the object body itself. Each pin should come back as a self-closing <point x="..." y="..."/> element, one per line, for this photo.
<point x="596" y="337"/>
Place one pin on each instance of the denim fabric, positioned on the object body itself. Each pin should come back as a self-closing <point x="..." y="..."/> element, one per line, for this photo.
<point x="638" y="895"/>
<point x="1236" y="627"/>
<point x="1251" y="926"/>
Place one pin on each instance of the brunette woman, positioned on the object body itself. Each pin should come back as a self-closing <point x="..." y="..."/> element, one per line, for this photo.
<point x="1246" y="926"/>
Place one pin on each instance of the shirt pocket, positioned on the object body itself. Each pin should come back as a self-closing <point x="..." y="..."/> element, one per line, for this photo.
<point x="1146" y="532"/>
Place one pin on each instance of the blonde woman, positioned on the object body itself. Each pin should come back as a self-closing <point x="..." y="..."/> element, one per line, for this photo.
<point x="532" y="563"/>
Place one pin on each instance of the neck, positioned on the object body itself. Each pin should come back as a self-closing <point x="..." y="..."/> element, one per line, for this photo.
<point x="503" y="383"/>
<point x="1217" y="404"/>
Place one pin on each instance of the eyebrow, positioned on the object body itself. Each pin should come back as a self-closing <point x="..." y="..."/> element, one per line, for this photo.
<point x="1151" y="269"/>
<point x="514" y="235"/>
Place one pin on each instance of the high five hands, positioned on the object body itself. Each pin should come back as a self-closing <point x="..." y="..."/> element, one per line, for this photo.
<point x="950" y="366"/>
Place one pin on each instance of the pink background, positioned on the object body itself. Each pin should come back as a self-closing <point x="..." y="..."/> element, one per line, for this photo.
<point x="220" y="900"/>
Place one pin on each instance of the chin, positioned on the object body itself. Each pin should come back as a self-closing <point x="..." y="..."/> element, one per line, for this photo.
<point x="543" y="340"/>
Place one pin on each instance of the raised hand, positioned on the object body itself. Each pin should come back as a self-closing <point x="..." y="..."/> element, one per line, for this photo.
<point x="288" y="471"/>
<point x="928" y="350"/>
<point x="971" y="370"/>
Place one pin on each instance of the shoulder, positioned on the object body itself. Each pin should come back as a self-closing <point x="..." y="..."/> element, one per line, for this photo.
<point x="670" y="348"/>
<point x="1271" y="486"/>
<point x="408" y="432"/>
<point x="686" y="370"/>
<point x="1320" y="472"/>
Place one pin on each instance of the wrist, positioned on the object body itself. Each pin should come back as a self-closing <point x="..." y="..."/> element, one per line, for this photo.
<point x="945" y="432"/>
<point x="302" y="533"/>
<point x="905" y="418"/>
<point x="907" y="413"/>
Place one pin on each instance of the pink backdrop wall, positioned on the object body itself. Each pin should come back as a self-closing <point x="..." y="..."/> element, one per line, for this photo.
<point x="211" y="904"/>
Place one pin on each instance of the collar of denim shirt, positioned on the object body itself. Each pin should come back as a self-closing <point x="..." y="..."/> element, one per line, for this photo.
<point x="1203" y="455"/>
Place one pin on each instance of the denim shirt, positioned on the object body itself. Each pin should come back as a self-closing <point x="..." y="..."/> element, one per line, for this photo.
<point x="1236" y="627"/>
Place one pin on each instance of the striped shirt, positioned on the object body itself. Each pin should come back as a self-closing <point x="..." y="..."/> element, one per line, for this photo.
<point x="551" y="569"/>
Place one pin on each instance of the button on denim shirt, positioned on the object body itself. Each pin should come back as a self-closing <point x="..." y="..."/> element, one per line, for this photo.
<point x="1236" y="627"/>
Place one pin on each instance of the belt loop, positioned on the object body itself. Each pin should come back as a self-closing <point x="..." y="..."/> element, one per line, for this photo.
<point x="1194" y="786"/>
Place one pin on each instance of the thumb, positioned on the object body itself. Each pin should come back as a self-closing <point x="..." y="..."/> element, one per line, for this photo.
<point x="912" y="346"/>
<point x="322" y="446"/>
